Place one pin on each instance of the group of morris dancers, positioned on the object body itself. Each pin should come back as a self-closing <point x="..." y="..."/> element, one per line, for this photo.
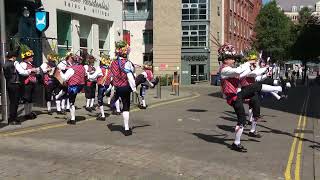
<point x="244" y="84"/>
<point x="65" y="79"/>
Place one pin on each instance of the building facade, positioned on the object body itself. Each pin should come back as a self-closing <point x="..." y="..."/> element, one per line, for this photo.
<point x="239" y="21"/>
<point x="138" y="27"/>
<point x="186" y="36"/>
<point x="291" y="8"/>
<point x="83" y="26"/>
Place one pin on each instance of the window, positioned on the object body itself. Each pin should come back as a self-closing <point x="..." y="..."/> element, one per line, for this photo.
<point x="294" y="9"/>
<point x="147" y="57"/>
<point x="129" y="6"/>
<point x="218" y="10"/>
<point x="64" y="32"/>
<point x="104" y="39"/>
<point x="148" y="36"/>
<point x="301" y="7"/>
<point x="194" y="10"/>
<point x="194" y="35"/>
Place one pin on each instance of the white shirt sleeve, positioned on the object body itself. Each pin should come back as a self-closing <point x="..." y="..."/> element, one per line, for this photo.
<point x="62" y="65"/>
<point x="21" y="68"/>
<point x="95" y="75"/>
<point x="257" y="72"/>
<point x="144" y="74"/>
<point x="66" y="76"/>
<point x="234" y="72"/>
<point x="245" y="73"/>
<point x="131" y="79"/>
<point x="44" y="67"/>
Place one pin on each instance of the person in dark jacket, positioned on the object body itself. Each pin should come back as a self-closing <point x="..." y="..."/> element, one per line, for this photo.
<point x="13" y="85"/>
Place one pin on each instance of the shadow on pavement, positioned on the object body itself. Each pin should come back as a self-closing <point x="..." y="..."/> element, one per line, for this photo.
<point x="316" y="147"/>
<point x="197" y="110"/>
<point x="294" y="102"/>
<point x="219" y="139"/>
<point x="120" y="128"/>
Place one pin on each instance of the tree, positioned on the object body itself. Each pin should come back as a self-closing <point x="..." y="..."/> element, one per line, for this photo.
<point x="274" y="32"/>
<point x="307" y="47"/>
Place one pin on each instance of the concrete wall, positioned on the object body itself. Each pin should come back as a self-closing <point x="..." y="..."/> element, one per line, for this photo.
<point x="138" y="48"/>
<point x="111" y="13"/>
<point x="166" y="36"/>
<point x="216" y="30"/>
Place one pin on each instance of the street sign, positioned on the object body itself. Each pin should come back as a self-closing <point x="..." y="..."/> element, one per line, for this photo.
<point x="42" y="20"/>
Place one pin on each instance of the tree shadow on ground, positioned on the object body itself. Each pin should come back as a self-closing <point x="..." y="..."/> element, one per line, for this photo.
<point x="294" y="102"/>
<point x="316" y="147"/>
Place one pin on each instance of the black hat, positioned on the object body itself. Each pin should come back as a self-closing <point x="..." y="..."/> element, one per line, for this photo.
<point x="11" y="54"/>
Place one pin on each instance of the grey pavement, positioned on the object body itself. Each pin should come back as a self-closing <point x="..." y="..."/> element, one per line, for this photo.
<point x="187" y="139"/>
<point x="43" y="118"/>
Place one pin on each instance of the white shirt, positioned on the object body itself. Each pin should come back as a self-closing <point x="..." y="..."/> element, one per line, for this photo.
<point x="62" y="65"/>
<point x="228" y="72"/>
<point x="24" y="66"/>
<point x="22" y="71"/>
<point x="67" y="75"/>
<point x="93" y="76"/>
<point x="130" y="76"/>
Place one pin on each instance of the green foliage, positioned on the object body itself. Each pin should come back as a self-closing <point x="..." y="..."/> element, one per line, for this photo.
<point x="24" y="48"/>
<point x="304" y="16"/>
<point x="121" y="44"/>
<point x="274" y="32"/>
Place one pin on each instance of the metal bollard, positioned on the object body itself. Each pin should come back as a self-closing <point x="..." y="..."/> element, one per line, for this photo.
<point x="159" y="88"/>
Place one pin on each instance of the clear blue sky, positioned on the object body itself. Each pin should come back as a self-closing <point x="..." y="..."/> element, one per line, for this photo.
<point x="265" y="1"/>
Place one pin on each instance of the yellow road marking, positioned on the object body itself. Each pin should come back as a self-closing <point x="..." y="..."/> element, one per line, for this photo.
<point x="63" y="124"/>
<point x="302" y="116"/>
<point x="299" y="151"/>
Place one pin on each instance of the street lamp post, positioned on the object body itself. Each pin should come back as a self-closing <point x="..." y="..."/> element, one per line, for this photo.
<point x="3" y="59"/>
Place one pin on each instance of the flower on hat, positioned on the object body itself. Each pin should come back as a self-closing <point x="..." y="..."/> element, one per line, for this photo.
<point x="227" y="51"/>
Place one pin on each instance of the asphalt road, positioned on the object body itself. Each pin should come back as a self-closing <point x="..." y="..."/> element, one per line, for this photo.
<point x="183" y="139"/>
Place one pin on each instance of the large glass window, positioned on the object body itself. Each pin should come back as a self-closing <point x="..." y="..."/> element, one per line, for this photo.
<point x="194" y="35"/>
<point x="104" y="41"/>
<point x="148" y="36"/>
<point x="64" y="32"/>
<point x="194" y="10"/>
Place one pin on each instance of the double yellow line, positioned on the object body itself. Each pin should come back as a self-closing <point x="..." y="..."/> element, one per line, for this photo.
<point x="298" y="137"/>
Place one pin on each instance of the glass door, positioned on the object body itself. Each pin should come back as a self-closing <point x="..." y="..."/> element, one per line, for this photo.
<point x="194" y="76"/>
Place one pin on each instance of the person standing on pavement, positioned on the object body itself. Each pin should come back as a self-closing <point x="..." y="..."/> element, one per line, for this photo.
<point x="104" y="84"/>
<point x="122" y="71"/>
<point x="29" y="82"/>
<point x="74" y="77"/>
<point x="61" y="92"/>
<point x="146" y="80"/>
<point x="91" y="83"/>
<point x="50" y="83"/>
<point x="11" y="74"/>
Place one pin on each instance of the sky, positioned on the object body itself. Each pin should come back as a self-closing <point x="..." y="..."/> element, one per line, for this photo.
<point x="264" y="1"/>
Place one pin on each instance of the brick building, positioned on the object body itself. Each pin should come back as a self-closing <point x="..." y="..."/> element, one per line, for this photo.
<point x="239" y="21"/>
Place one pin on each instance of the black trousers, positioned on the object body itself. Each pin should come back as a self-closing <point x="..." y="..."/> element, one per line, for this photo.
<point x="90" y="91"/>
<point x="14" y="91"/>
<point x="249" y="92"/>
<point x="101" y="91"/>
<point x="124" y="94"/>
<point x="49" y="89"/>
<point x="28" y="92"/>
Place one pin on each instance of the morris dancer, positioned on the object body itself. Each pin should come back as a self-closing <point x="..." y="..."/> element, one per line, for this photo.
<point x="123" y="80"/>
<point x="104" y="85"/>
<point x="75" y="79"/>
<point x="91" y="83"/>
<point x="61" y="91"/>
<point x="229" y="86"/>
<point x="50" y="83"/>
<point x="249" y="79"/>
<point x="146" y="80"/>
<point x="29" y="81"/>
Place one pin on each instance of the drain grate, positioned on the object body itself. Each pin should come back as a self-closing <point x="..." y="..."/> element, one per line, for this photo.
<point x="303" y="131"/>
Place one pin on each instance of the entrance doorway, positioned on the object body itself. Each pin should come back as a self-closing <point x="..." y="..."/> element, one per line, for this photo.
<point x="198" y="73"/>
